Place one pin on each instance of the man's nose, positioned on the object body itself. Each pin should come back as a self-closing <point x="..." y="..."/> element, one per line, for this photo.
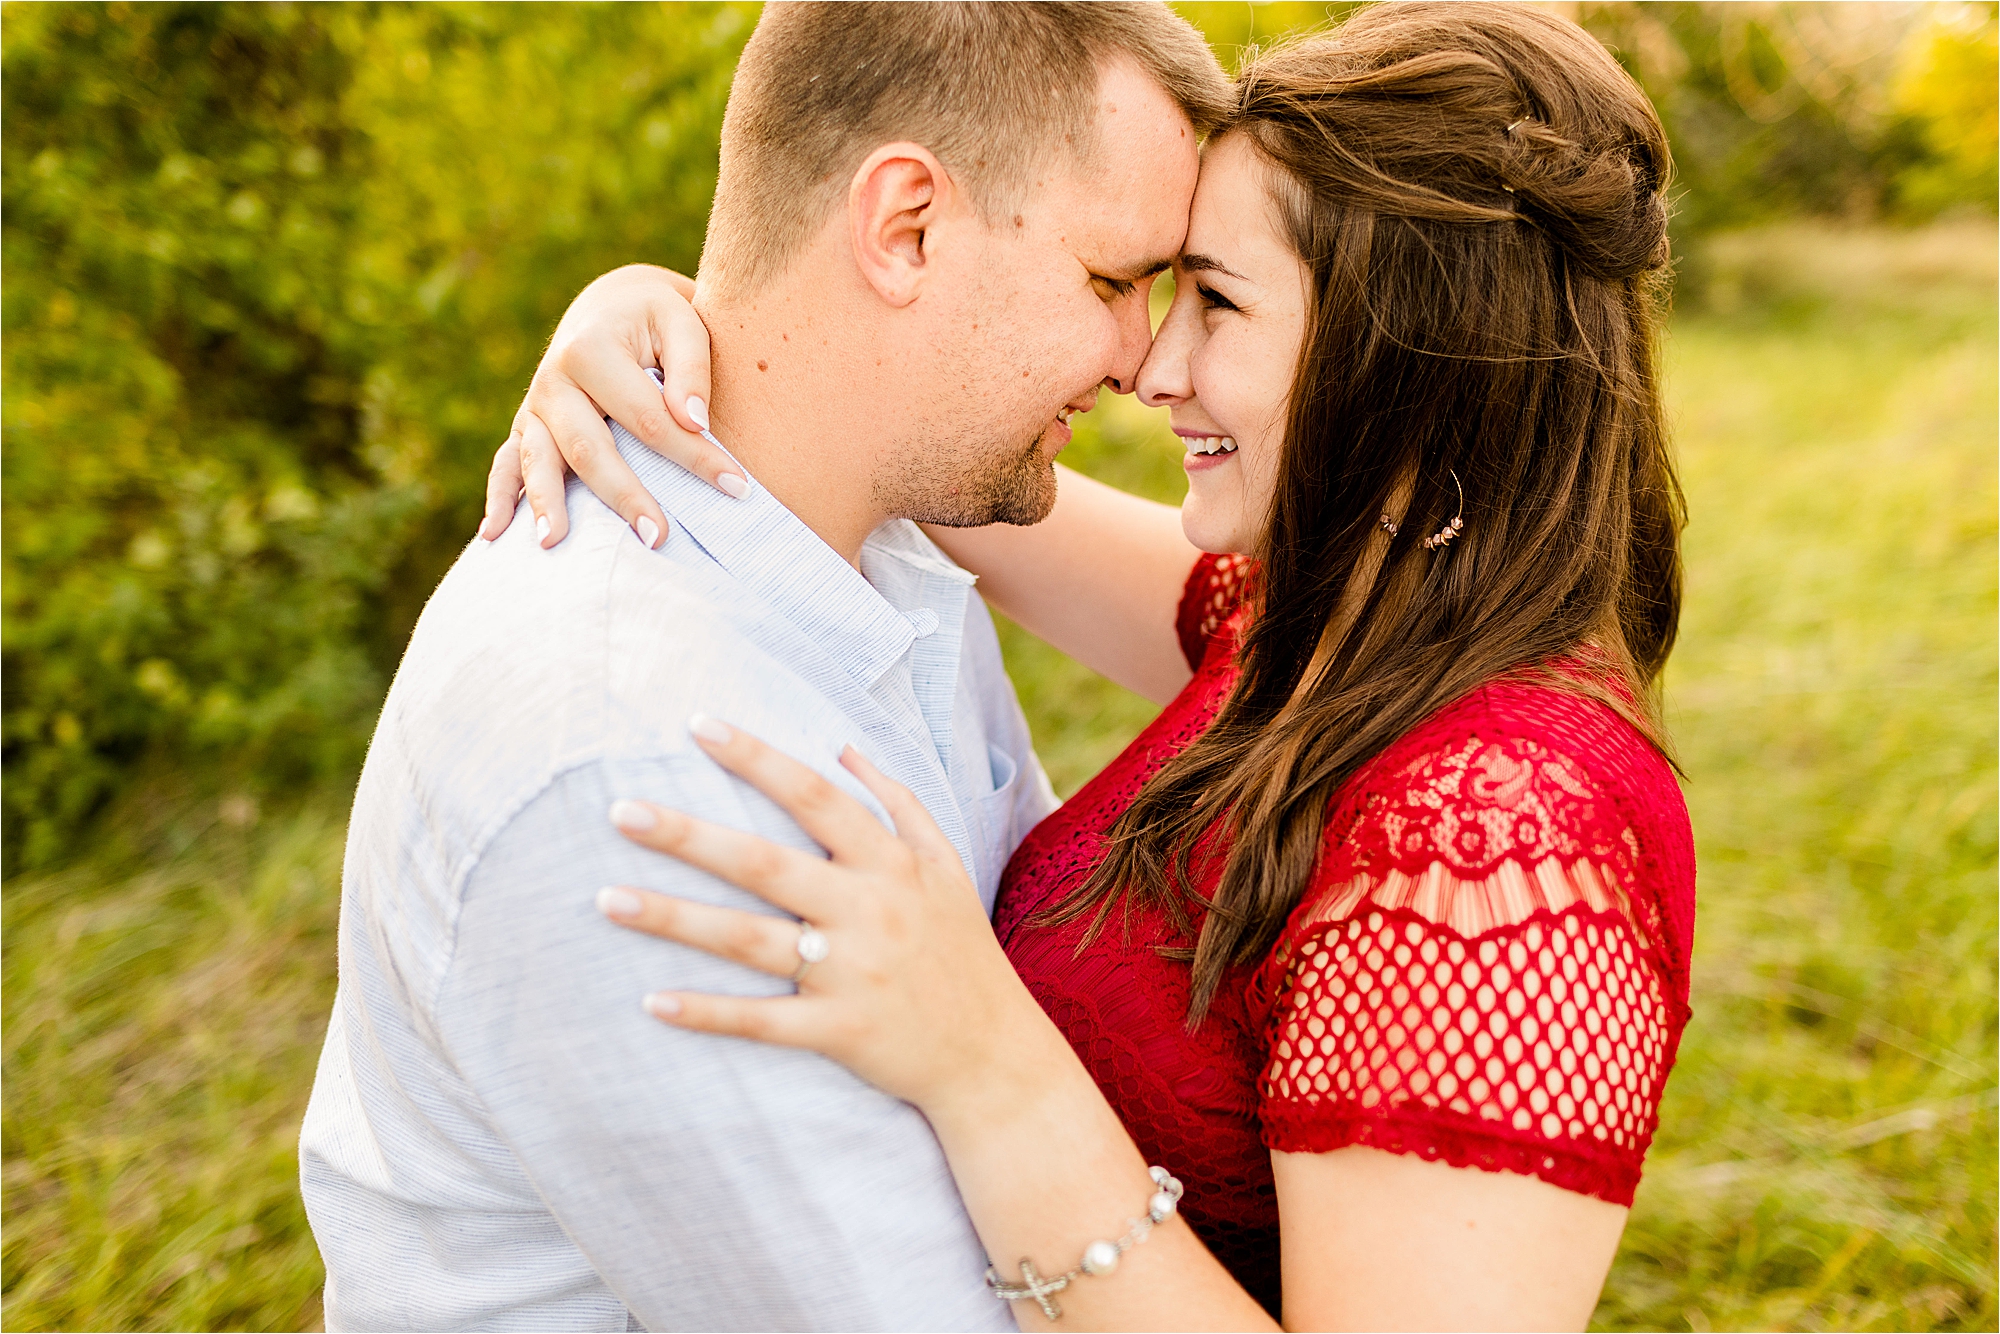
<point x="1135" y="339"/>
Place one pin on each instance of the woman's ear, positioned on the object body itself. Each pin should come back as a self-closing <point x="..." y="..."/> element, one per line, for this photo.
<point x="898" y="193"/>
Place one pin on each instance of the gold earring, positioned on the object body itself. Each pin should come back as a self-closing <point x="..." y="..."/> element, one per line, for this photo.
<point x="1437" y="540"/>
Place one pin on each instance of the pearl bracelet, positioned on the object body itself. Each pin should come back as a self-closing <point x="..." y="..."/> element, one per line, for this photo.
<point x="1099" y="1258"/>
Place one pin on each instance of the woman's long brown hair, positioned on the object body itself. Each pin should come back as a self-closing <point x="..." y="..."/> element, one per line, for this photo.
<point x="1477" y="192"/>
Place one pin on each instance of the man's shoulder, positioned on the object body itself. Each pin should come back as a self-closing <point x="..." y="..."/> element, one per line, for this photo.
<point x="526" y="663"/>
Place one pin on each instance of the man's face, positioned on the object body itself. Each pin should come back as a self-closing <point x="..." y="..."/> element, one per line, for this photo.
<point x="1038" y="309"/>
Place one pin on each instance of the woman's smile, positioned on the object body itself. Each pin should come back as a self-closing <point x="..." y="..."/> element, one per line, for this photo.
<point x="1206" y="451"/>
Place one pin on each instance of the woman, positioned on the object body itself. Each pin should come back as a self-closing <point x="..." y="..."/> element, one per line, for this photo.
<point x="1378" y="936"/>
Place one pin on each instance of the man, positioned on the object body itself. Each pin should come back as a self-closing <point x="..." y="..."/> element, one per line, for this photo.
<point x="928" y="246"/>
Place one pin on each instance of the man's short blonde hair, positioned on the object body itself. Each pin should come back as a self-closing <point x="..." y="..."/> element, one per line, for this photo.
<point x="995" y="90"/>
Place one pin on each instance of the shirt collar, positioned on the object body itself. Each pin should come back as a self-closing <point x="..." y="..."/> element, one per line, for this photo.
<point x="771" y="551"/>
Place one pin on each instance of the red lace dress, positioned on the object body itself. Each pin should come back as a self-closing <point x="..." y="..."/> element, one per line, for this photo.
<point x="1489" y="968"/>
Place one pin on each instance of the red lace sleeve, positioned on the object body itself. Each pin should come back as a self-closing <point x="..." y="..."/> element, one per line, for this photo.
<point x="1491" y="967"/>
<point x="1215" y="588"/>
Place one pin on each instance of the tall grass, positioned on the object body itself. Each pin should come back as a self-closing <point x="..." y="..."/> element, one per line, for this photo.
<point x="162" y="1024"/>
<point x="1827" y="1151"/>
<point x="1827" y="1156"/>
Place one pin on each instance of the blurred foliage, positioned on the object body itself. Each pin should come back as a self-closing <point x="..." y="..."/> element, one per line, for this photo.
<point x="1945" y="81"/>
<point x="1855" y="110"/>
<point x="275" y="276"/>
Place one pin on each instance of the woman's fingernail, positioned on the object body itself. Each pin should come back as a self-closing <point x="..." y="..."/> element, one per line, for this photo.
<point x="541" y="527"/>
<point x="621" y="903"/>
<point x="697" y="411"/>
<point x="483" y="525"/>
<point x="649" y="532"/>
<point x="633" y="815"/>
<point x="708" y="729"/>
<point x="732" y="486"/>
<point x="662" y="1006"/>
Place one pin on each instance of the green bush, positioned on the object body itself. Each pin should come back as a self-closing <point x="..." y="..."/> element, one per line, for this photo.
<point x="1946" y="82"/>
<point x="275" y="278"/>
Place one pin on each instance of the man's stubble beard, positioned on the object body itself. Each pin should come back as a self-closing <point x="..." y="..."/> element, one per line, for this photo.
<point x="954" y="491"/>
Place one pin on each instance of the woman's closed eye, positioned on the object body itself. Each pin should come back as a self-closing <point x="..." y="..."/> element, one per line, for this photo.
<point x="1213" y="300"/>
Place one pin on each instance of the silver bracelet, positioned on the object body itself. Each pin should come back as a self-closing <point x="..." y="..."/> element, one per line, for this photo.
<point x="1100" y="1257"/>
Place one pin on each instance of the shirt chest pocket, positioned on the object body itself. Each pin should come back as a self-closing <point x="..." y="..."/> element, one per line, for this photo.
<point x="995" y="835"/>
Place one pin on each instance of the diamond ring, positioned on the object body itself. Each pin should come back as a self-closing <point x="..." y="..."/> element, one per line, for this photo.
<point x="812" y="948"/>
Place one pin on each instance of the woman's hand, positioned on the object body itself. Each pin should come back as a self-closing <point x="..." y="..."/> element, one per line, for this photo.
<point x="595" y="367"/>
<point x="914" y="993"/>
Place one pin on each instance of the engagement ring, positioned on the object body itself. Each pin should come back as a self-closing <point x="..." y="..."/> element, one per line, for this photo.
<point x="812" y="948"/>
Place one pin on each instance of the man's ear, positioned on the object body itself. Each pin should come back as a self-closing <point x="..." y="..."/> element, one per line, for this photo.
<point x="898" y="194"/>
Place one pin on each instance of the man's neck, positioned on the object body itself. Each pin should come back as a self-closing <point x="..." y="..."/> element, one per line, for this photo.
<point x="788" y="401"/>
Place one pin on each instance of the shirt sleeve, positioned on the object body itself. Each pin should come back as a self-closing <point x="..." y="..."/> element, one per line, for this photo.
<point x="1468" y="980"/>
<point x="711" y="1182"/>
<point x="1215" y="588"/>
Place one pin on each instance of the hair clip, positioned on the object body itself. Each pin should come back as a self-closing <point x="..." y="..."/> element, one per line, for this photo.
<point x="1437" y="540"/>
<point x="1510" y="134"/>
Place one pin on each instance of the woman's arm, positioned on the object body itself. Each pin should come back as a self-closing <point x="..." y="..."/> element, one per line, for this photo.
<point x="1100" y="578"/>
<point x="1371" y="1240"/>
<point x="1376" y="1240"/>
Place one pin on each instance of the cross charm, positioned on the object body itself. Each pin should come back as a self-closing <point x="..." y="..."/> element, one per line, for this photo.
<point x="1043" y="1290"/>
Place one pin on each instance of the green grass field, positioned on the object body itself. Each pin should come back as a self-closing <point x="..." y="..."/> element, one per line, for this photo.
<point x="1827" y="1152"/>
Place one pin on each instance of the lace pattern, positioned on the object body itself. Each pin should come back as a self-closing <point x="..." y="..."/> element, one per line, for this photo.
<point x="1485" y="829"/>
<point x="1491" y="966"/>
<point x="1214" y="591"/>
<point x="1554" y="1033"/>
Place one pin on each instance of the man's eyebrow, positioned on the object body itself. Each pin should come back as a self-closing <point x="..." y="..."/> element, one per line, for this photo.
<point x="1140" y="271"/>
<point x="1198" y="263"/>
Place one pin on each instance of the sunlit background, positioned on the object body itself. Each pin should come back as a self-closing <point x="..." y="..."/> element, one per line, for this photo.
<point x="275" y="277"/>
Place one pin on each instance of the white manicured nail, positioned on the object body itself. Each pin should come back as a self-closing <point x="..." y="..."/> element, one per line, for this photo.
<point x="697" y="411"/>
<point x="649" y="532"/>
<point x="620" y="903"/>
<point x="662" y="1006"/>
<point x="708" y="729"/>
<point x="732" y="485"/>
<point x="632" y="815"/>
<point x="541" y="527"/>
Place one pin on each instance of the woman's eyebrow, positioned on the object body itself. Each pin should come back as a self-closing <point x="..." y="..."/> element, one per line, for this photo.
<point x="1198" y="263"/>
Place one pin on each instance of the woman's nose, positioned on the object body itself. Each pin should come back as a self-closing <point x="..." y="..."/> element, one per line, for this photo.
<point x="1163" y="380"/>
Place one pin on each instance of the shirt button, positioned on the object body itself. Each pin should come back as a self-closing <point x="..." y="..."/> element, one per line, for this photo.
<point x="924" y="621"/>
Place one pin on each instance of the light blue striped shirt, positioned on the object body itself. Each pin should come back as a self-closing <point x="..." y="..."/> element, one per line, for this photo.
<point x="498" y="1137"/>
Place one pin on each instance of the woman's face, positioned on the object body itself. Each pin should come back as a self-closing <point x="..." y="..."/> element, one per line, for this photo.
<point x="1224" y="357"/>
